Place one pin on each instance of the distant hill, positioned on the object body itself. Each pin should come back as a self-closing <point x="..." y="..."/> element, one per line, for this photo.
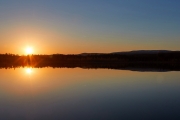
<point x="131" y="52"/>
<point x="143" y="52"/>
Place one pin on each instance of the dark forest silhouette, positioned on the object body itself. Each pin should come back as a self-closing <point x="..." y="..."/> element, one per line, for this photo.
<point x="158" y="61"/>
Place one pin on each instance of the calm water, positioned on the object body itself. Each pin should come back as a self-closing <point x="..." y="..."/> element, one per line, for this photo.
<point x="88" y="94"/>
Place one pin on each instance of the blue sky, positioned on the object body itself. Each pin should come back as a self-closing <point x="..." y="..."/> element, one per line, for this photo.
<point x="75" y="26"/>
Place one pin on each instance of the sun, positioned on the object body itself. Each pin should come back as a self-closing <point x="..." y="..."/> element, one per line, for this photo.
<point x="29" y="50"/>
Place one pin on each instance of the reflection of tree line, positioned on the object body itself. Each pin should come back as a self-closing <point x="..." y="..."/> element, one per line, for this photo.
<point x="161" y="61"/>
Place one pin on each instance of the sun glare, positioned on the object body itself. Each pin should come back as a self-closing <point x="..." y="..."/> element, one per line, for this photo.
<point x="29" y="50"/>
<point x="29" y="70"/>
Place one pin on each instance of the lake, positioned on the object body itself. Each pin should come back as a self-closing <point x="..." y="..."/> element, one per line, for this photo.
<point x="88" y="94"/>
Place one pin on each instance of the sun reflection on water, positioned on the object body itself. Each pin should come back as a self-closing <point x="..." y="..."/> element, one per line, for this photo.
<point x="29" y="71"/>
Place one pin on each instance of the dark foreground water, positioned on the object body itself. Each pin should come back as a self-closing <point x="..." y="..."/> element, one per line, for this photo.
<point x="88" y="94"/>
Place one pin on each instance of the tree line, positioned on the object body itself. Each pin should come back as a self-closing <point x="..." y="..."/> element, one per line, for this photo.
<point x="115" y="61"/>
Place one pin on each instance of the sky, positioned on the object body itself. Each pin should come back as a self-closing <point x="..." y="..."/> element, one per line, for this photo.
<point x="79" y="26"/>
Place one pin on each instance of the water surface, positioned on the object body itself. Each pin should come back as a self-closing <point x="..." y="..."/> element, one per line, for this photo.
<point x="88" y="94"/>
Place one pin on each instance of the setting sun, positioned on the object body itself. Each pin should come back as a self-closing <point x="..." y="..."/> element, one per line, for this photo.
<point x="29" y="50"/>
